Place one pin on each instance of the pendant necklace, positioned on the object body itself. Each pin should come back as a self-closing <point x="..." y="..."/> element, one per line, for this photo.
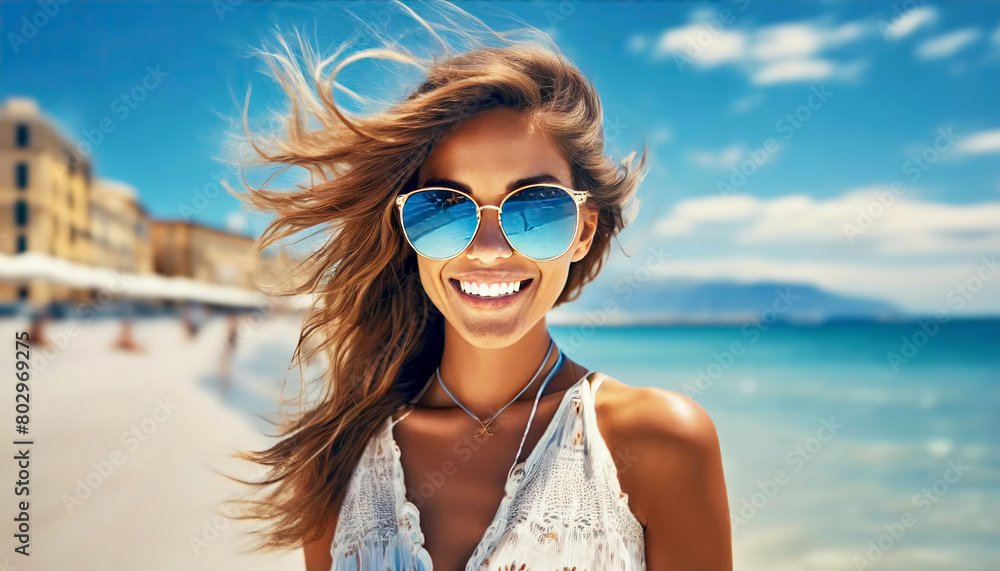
<point x="484" y="425"/>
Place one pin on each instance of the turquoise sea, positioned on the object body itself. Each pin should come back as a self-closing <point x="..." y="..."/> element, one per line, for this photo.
<point x="885" y="435"/>
<point x="836" y="456"/>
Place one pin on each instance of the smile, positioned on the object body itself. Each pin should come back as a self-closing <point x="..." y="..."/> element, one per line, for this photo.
<point x="480" y="291"/>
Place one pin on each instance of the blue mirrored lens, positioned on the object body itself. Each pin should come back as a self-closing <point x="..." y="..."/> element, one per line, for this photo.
<point x="439" y="223"/>
<point x="540" y="221"/>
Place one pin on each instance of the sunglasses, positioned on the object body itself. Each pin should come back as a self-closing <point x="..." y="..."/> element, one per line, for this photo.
<point x="538" y="220"/>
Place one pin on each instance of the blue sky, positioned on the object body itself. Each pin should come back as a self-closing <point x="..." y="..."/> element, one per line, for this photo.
<point x="822" y="105"/>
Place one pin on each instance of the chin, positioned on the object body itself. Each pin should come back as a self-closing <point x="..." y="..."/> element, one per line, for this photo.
<point x="491" y="336"/>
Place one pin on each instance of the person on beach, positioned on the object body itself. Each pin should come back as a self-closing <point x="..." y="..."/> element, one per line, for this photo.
<point x="36" y="329"/>
<point x="452" y="431"/>
<point x="225" y="364"/>
<point x="192" y="317"/>
<point x="125" y="341"/>
<point x="186" y="320"/>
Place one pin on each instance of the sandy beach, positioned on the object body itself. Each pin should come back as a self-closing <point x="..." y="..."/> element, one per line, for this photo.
<point x="124" y="445"/>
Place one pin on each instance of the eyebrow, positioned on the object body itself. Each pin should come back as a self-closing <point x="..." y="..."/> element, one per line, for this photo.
<point x="537" y="179"/>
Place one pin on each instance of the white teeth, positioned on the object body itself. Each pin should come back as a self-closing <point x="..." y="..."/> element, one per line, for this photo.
<point x="491" y="290"/>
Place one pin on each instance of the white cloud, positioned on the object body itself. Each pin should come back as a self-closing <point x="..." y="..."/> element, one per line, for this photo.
<point x="637" y="43"/>
<point x="947" y="44"/>
<point x="808" y="70"/>
<point x="723" y="159"/>
<point x="661" y="134"/>
<point x="804" y="219"/>
<point x="903" y="249"/>
<point x="910" y="22"/>
<point x="702" y="14"/>
<point x="236" y="222"/>
<point x="800" y="39"/>
<point x="783" y="52"/>
<point x="703" y="46"/>
<point x="979" y="143"/>
<point x="747" y="102"/>
<point x="791" y="70"/>
<point x="687" y="215"/>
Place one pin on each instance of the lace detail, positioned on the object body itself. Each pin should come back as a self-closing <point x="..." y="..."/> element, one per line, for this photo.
<point x="563" y="506"/>
<point x="378" y="528"/>
<point x="567" y="508"/>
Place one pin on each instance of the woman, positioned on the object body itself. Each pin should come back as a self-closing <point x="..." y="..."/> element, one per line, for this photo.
<point x="452" y="432"/>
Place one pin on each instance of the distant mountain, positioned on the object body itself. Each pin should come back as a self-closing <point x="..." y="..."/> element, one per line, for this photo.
<point x="718" y="302"/>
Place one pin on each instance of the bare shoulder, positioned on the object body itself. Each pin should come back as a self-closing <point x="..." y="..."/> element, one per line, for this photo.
<point x="638" y="416"/>
<point x="667" y="452"/>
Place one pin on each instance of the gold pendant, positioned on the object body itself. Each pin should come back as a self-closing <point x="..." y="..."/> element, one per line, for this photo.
<point x="483" y="429"/>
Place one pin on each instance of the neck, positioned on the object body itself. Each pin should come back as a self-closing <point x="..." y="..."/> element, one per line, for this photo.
<point x="484" y="380"/>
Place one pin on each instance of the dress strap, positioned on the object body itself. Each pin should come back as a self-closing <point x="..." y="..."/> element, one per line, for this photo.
<point x="595" y="384"/>
<point x="422" y="391"/>
<point x="411" y="402"/>
<point x="594" y="446"/>
<point x="534" y="407"/>
<point x="394" y="421"/>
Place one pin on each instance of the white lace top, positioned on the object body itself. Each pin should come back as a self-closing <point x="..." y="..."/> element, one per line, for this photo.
<point x="564" y="507"/>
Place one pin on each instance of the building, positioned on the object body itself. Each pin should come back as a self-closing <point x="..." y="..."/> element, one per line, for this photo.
<point x="45" y="186"/>
<point x="119" y="229"/>
<point x="51" y="204"/>
<point x="202" y="253"/>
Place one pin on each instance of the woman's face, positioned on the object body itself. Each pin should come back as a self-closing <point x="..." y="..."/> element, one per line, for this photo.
<point x="488" y="156"/>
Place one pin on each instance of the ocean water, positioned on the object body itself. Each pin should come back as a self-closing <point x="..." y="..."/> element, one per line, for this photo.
<point x="849" y="445"/>
<point x="837" y="456"/>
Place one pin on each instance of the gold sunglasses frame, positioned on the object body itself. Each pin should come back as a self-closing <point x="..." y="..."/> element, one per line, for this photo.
<point x="578" y="196"/>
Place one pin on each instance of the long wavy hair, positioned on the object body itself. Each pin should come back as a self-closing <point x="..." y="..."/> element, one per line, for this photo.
<point x="372" y="321"/>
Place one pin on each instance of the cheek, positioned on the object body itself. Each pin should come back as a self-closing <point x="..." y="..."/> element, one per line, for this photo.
<point x="430" y="277"/>
<point x="430" y="280"/>
<point x="554" y="275"/>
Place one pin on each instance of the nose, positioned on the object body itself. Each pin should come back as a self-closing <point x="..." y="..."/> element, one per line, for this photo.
<point x="489" y="244"/>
